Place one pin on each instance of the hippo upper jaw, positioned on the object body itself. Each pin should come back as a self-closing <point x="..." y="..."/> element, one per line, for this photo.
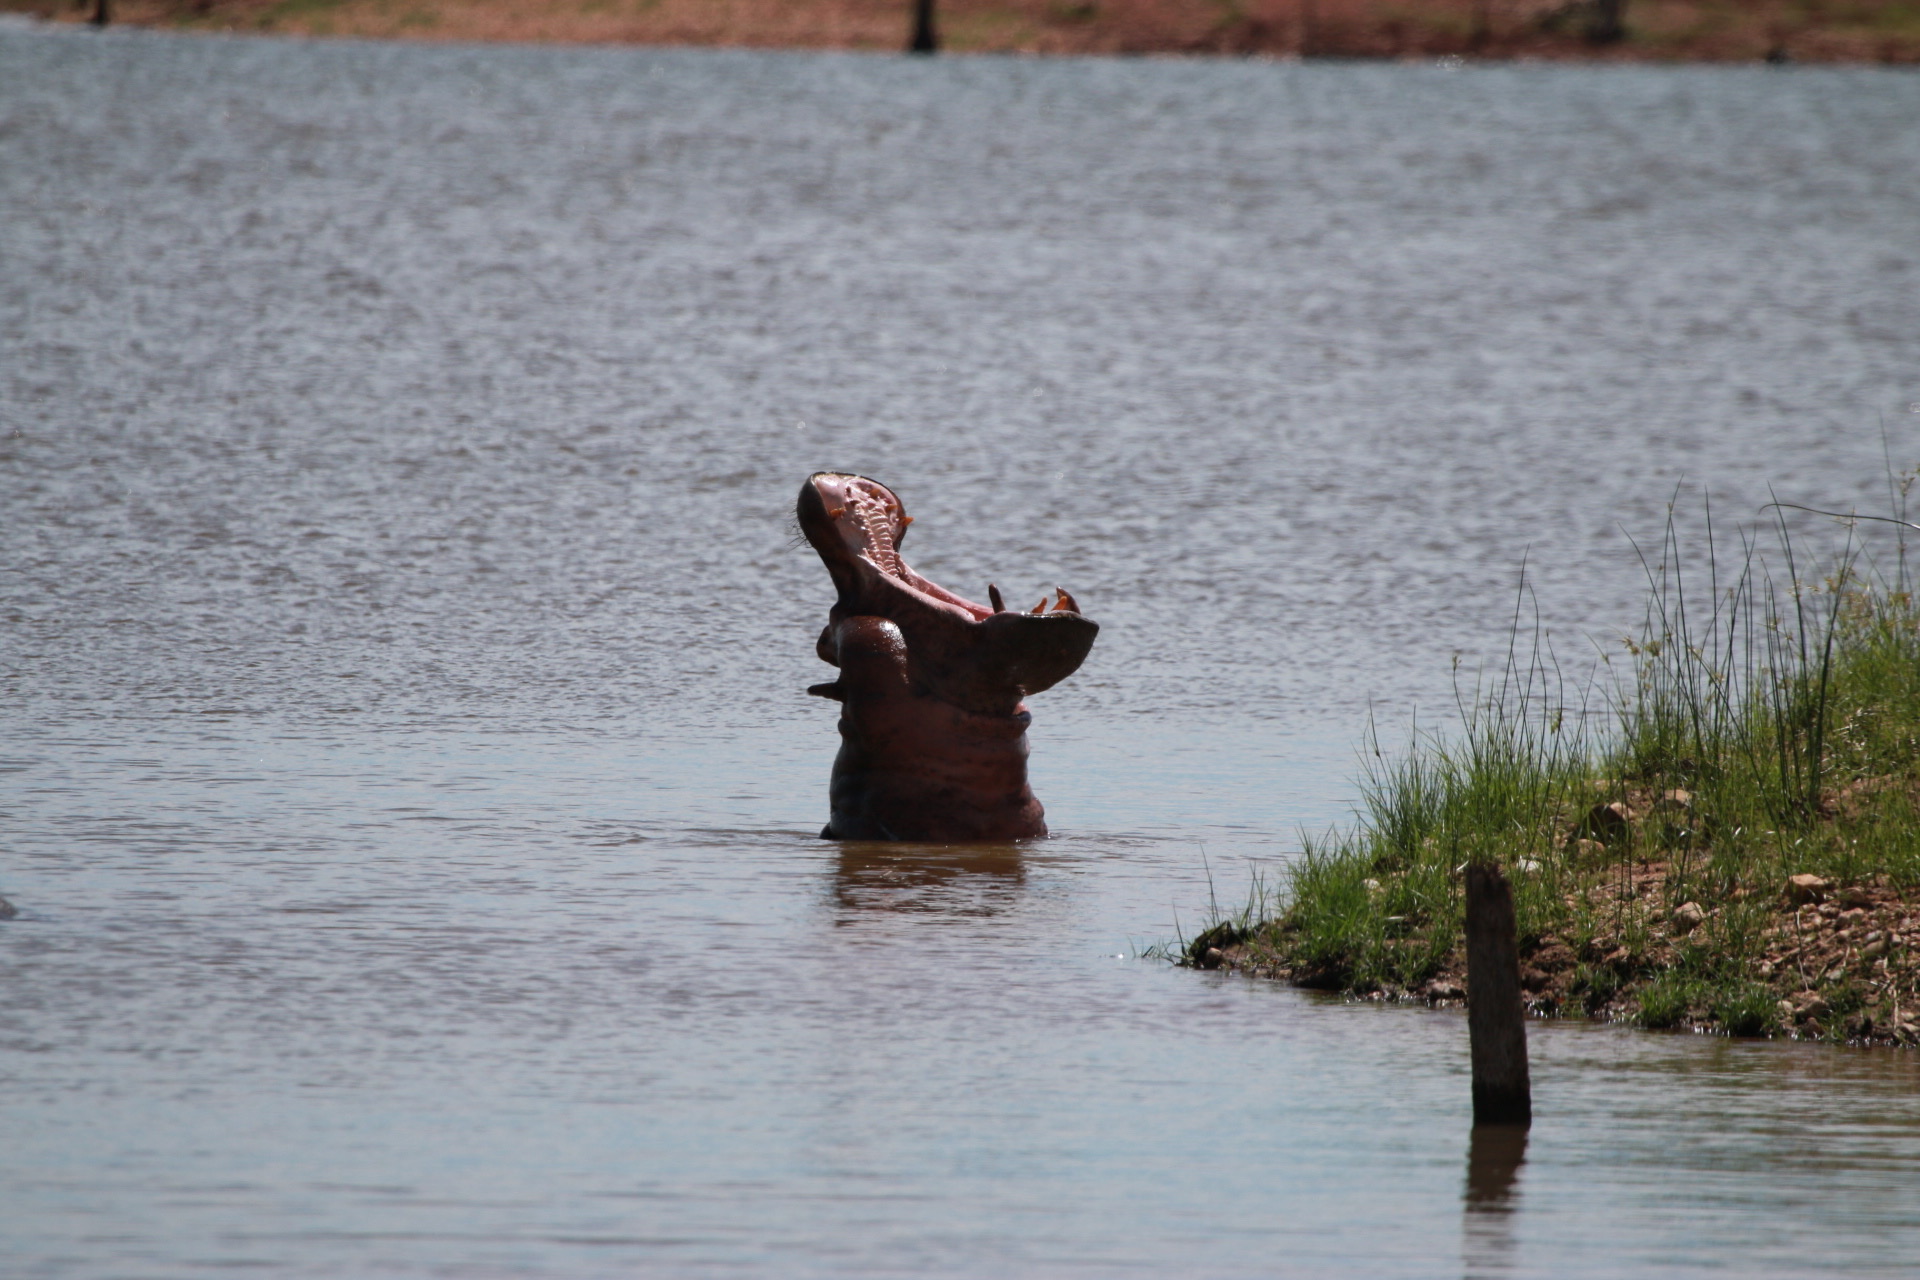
<point x="980" y="658"/>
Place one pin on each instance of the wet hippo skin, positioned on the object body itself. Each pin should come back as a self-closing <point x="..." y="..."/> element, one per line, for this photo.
<point x="933" y="723"/>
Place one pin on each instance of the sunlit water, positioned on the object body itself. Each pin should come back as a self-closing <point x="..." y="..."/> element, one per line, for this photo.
<point x="410" y="796"/>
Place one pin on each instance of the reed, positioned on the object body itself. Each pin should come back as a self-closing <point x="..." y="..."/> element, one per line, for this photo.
<point x="1718" y="829"/>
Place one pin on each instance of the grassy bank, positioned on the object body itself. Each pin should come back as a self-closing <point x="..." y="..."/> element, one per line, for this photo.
<point x="1660" y="30"/>
<point x="1732" y="843"/>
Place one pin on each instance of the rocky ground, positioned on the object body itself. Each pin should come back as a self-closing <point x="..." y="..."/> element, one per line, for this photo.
<point x="1862" y="941"/>
<point x="1808" y="958"/>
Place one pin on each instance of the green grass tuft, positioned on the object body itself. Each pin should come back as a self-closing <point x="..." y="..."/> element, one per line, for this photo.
<point x="1763" y="725"/>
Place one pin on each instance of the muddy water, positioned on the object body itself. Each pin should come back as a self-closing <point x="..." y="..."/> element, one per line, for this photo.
<point x="409" y="793"/>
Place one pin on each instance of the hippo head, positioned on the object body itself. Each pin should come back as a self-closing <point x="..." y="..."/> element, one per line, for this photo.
<point x="981" y="658"/>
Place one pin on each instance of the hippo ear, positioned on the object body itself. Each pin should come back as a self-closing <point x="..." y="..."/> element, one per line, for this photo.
<point x="1031" y="652"/>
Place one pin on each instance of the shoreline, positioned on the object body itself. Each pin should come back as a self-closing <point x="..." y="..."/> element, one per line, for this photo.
<point x="1739" y="852"/>
<point x="1492" y="32"/>
<point x="1819" y="936"/>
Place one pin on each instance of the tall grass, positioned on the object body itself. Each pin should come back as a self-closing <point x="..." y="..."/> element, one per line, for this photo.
<point x="1763" y="724"/>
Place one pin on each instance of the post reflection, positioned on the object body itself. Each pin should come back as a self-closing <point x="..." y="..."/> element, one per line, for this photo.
<point x="1494" y="1156"/>
<point x="956" y="879"/>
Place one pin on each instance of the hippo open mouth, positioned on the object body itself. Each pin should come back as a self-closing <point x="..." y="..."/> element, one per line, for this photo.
<point x="933" y="730"/>
<point x="981" y="657"/>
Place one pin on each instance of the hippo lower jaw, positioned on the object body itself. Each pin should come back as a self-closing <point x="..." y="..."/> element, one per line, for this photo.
<point x="933" y="728"/>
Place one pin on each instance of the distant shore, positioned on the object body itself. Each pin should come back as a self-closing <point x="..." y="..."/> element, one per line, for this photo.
<point x="1780" y="31"/>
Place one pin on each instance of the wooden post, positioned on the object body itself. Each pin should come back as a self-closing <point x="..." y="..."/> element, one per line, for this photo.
<point x="924" y="39"/>
<point x="1496" y="1018"/>
<point x="102" y="13"/>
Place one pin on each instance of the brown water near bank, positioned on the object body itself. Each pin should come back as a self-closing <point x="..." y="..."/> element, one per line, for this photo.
<point x="1886" y="31"/>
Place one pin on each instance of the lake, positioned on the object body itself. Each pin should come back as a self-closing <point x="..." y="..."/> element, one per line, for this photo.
<point x="410" y="796"/>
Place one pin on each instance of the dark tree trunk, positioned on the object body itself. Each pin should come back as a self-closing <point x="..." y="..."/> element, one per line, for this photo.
<point x="925" y="39"/>
<point x="102" y="13"/>
<point x="1609" y="25"/>
<point x="1481" y="33"/>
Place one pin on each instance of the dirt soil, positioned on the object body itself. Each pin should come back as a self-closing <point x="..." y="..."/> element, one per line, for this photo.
<point x="1886" y="31"/>
<point x="1820" y="937"/>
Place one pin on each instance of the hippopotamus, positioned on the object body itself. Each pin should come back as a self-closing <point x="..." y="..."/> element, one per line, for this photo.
<point x="933" y="722"/>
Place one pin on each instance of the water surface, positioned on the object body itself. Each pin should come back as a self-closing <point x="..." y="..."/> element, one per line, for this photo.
<point x="409" y="790"/>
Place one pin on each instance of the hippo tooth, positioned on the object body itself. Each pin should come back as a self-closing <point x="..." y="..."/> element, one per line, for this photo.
<point x="873" y="516"/>
<point x="993" y="598"/>
<point x="1066" y="602"/>
<point x="1041" y="607"/>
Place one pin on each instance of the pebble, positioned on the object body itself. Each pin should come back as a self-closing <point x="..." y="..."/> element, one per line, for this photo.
<point x="1606" y="823"/>
<point x="1808" y="888"/>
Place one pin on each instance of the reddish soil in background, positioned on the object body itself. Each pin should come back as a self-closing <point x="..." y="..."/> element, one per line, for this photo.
<point x="1651" y="30"/>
